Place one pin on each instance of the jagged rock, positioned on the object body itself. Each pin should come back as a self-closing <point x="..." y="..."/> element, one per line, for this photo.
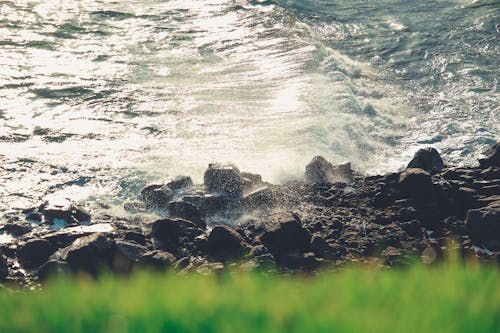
<point x="156" y="196"/>
<point x="225" y="243"/>
<point x="186" y="211"/>
<point x="284" y="232"/>
<point x="226" y="180"/>
<point x="180" y="183"/>
<point x="65" y="237"/>
<point x="35" y="252"/>
<point x="484" y="223"/>
<point x="427" y="159"/>
<point x="492" y="158"/>
<point x="320" y="171"/>
<point x="416" y="183"/>
<point x="157" y="259"/>
<point x="4" y="268"/>
<point x="90" y="253"/>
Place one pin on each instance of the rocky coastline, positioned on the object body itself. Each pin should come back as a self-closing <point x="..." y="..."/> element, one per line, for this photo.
<point x="334" y="217"/>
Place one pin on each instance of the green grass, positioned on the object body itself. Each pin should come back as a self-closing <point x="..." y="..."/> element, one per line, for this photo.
<point x="446" y="298"/>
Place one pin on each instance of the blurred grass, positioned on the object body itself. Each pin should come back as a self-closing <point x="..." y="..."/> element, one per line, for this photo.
<point x="445" y="298"/>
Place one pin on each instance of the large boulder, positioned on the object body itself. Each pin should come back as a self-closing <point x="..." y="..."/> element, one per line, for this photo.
<point x="484" y="223"/>
<point x="492" y="158"/>
<point x="187" y="211"/>
<point x="262" y="198"/>
<point x="283" y="233"/>
<point x="427" y="159"/>
<point x="226" y="180"/>
<point x="126" y="255"/>
<point x="35" y="252"/>
<point x="156" y="196"/>
<point x="169" y="233"/>
<point x="91" y="253"/>
<point x="225" y="243"/>
<point x="416" y="183"/>
<point x="320" y="171"/>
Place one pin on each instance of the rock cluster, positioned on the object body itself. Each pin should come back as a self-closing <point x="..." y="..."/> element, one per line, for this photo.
<point x="335" y="217"/>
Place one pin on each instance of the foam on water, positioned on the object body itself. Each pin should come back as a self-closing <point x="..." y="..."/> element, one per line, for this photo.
<point x="99" y="98"/>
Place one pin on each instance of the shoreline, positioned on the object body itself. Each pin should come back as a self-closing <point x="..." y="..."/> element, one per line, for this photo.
<point x="334" y="217"/>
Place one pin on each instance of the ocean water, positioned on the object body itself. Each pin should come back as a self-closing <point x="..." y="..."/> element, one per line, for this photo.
<point x="99" y="97"/>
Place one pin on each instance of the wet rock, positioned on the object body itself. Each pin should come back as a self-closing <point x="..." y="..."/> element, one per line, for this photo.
<point x="135" y="236"/>
<point x="168" y="233"/>
<point x="263" y="198"/>
<point x="35" y="252"/>
<point x="427" y="159"/>
<point x="258" y="250"/>
<point x="226" y="180"/>
<point x="225" y="243"/>
<point x="63" y="209"/>
<point x="484" y="223"/>
<point x="320" y="171"/>
<point x="186" y="211"/>
<point x="416" y="183"/>
<point x="284" y="233"/>
<point x="492" y="158"/>
<point x="156" y="196"/>
<point x="67" y="236"/>
<point x="218" y="205"/>
<point x="16" y="229"/>
<point x="4" y="269"/>
<point x="159" y="260"/>
<point x="91" y="253"/>
<point x="52" y="268"/>
<point x="180" y="183"/>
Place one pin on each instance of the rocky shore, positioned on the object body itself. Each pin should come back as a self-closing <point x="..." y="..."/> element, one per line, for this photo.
<point x="333" y="217"/>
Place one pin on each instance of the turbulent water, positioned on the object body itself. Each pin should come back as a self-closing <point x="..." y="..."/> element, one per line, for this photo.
<point x="99" y="97"/>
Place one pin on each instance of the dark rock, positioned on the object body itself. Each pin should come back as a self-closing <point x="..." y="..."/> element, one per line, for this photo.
<point x="168" y="233"/>
<point x="64" y="209"/>
<point x="416" y="183"/>
<point x="298" y="260"/>
<point x="284" y="233"/>
<point x="156" y="196"/>
<point x="412" y="228"/>
<point x="320" y="171"/>
<point x="322" y="248"/>
<point x="255" y="179"/>
<point x="258" y="250"/>
<point x="67" y="236"/>
<point x="484" y="223"/>
<point x="182" y="263"/>
<point x="16" y="229"/>
<point x="126" y="255"/>
<point x="52" y="268"/>
<point x="263" y="198"/>
<point x="225" y="243"/>
<point x="226" y="180"/>
<point x="492" y="158"/>
<point x="427" y="159"/>
<point x="4" y="269"/>
<point x="91" y="253"/>
<point x="135" y="236"/>
<point x="157" y="259"/>
<point x="180" y="183"/>
<point x="217" y="204"/>
<point x="186" y="211"/>
<point x="35" y="252"/>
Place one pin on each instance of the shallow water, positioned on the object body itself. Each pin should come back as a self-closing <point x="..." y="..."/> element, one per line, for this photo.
<point x="99" y="97"/>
